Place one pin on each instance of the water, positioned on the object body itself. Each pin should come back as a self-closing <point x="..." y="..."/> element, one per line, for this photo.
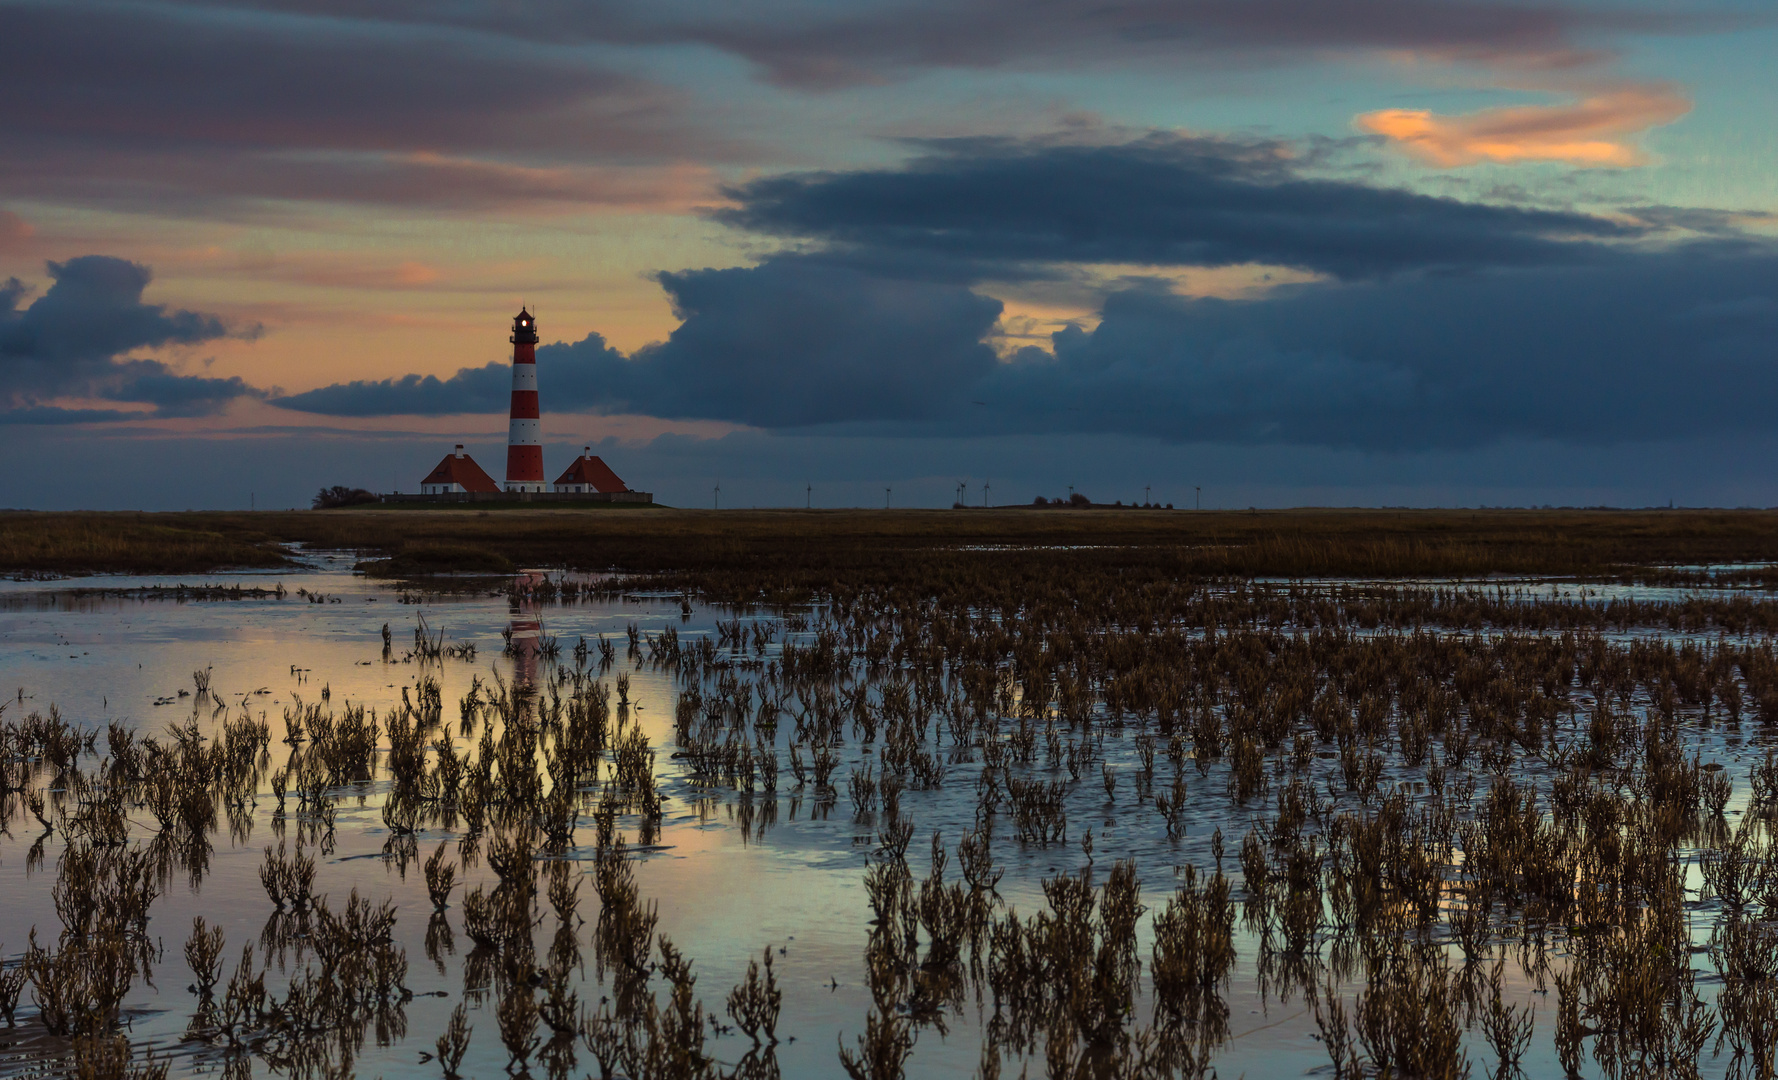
<point x="722" y="898"/>
<point x="112" y="649"/>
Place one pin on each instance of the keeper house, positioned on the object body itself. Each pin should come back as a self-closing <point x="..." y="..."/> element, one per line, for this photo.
<point x="457" y="474"/>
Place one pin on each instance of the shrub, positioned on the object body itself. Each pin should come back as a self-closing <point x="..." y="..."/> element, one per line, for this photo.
<point x="341" y="495"/>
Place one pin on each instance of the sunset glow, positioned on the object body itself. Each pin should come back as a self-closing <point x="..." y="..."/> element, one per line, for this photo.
<point x="830" y="232"/>
<point x="1601" y="130"/>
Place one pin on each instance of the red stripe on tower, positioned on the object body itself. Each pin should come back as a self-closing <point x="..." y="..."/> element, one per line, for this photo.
<point x="524" y="435"/>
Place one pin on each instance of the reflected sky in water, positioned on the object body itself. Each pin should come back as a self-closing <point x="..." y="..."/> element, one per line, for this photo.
<point x="101" y="650"/>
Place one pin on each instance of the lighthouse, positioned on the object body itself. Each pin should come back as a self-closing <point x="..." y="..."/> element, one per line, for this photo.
<point x="524" y="435"/>
<point x="458" y="479"/>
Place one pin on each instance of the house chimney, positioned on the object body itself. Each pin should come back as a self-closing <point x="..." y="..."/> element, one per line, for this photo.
<point x="459" y="449"/>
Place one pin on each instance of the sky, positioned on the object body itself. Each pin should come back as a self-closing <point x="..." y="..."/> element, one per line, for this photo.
<point x="1225" y="253"/>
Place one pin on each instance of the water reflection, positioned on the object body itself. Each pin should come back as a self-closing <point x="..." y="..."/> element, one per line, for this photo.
<point x="705" y="723"/>
<point x="524" y="631"/>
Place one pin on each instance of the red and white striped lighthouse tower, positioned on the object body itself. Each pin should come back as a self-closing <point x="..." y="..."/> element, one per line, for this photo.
<point x="524" y="437"/>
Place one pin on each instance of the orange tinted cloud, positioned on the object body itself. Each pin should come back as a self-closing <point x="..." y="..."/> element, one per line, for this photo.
<point x="14" y="231"/>
<point x="331" y="271"/>
<point x="1598" y="130"/>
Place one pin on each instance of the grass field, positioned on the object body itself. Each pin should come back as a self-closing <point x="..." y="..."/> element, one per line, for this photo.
<point x="76" y="543"/>
<point x="794" y="549"/>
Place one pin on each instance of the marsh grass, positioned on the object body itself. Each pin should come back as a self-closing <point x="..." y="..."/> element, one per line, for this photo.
<point x="454" y="1043"/>
<point x="203" y="955"/>
<point x="78" y="543"/>
<point x="755" y="1001"/>
<point x="1433" y="786"/>
<point x="784" y="551"/>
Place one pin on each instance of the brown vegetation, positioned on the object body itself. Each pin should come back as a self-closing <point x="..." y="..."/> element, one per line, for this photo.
<point x="810" y="551"/>
<point x="58" y="543"/>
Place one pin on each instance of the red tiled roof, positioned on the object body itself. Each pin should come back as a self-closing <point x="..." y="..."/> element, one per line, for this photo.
<point x="461" y="470"/>
<point x="590" y="470"/>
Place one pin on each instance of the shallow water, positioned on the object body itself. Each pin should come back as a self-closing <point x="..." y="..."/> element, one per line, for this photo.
<point x="725" y="891"/>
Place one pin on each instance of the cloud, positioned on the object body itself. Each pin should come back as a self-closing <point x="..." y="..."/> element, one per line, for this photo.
<point x="471" y="390"/>
<point x="875" y="42"/>
<point x="15" y="231"/>
<point x="819" y="46"/>
<point x="51" y="415"/>
<point x="71" y="341"/>
<point x="1434" y="323"/>
<point x="1600" y="129"/>
<point x="798" y="342"/>
<point x="221" y="182"/>
<point x="336" y="270"/>
<point x="208" y="108"/>
<point x="1720" y="224"/>
<point x="1654" y="344"/>
<point x="1002" y="208"/>
<point x="160" y="106"/>
<point x="1671" y="344"/>
<point x="162" y="76"/>
<point x="172" y="394"/>
<point x="793" y="342"/>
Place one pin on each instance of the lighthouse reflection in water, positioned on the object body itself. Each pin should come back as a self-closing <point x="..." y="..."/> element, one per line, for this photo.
<point x="524" y="631"/>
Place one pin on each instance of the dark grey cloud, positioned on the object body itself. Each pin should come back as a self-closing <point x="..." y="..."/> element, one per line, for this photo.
<point x="997" y="208"/>
<point x="796" y="342"/>
<point x="821" y="45"/>
<point x="148" y="75"/>
<point x="1659" y="345"/>
<point x="162" y="105"/>
<point x="1441" y="323"/>
<point x="470" y="390"/>
<point x="791" y="343"/>
<point x="187" y="106"/>
<point x="1651" y="345"/>
<point x="93" y="311"/>
<point x="150" y="382"/>
<point x="72" y="341"/>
